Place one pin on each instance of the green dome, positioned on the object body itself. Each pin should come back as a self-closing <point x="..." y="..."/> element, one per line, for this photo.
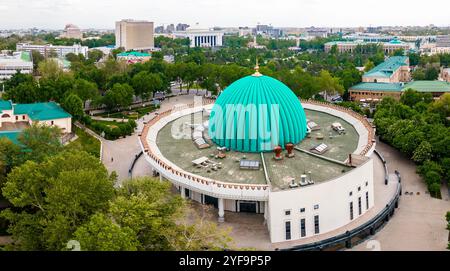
<point x="259" y="113"/>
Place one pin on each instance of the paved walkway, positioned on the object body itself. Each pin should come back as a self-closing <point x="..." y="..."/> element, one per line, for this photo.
<point x="109" y="119"/>
<point x="119" y="154"/>
<point x="418" y="223"/>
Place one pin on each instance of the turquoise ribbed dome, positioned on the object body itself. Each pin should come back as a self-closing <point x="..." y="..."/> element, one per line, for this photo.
<point x="259" y="113"/>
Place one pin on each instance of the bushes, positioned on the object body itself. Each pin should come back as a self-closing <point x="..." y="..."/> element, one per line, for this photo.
<point x="112" y="129"/>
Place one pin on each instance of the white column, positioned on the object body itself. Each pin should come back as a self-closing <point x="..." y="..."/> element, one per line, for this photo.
<point x="221" y="211"/>
<point x="183" y="192"/>
<point x="160" y="177"/>
<point x="266" y="210"/>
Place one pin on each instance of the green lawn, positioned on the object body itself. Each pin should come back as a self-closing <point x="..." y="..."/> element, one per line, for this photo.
<point x="85" y="142"/>
<point x="133" y="114"/>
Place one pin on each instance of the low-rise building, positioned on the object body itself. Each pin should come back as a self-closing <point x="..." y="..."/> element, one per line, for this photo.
<point x="49" y="50"/>
<point x="351" y="46"/>
<point x="134" y="57"/>
<point x="201" y="36"/>
<point x="367" y="91"/>
<point x="436" y="88"/>
<point x="17" y="62"/>
<point x="15" y="117"/>
<point x="394" y="70"/>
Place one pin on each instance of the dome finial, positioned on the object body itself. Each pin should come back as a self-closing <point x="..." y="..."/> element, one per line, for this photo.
<point x="257" y="73"/>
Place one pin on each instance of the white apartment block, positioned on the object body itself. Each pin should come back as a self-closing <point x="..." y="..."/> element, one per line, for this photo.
<point x="49" y="49"/>
<point x="18" y="61"/>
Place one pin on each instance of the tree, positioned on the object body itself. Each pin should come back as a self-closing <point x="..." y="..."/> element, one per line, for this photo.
<point x="17" y="79"/>
<point x="9" y="156"/>
<point x="441" y="106"/>
<point x="74" y="106"/>
<point x="423" y="152"/>
<point x="37" y="58"/>
<point x="26" y="92"/>
<point x="145" y="84"/>
<point x="161" y="220"/>
<point x="431" y="73"/>
<point x="85" y="90"/>
<point x="119" y="96"/>
<point x="56" y="196"/>
<point x="95" y="55"/>
<point x="40" y="141"/>
<point x="101" y="233"/>
<point x="329" y="84"/>
<point x="50" y="69"/>
<point x="419" y="74"/>
<point x="368" y="66"/>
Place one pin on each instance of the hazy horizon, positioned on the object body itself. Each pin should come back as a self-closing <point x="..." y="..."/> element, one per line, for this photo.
<point x="101" y="14"/>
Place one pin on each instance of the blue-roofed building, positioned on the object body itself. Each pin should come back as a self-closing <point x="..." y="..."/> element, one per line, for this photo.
<point x="394" y="70"/>
<point x="16" y="117"/>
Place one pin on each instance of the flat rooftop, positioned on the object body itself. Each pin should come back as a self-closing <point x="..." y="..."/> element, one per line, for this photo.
<point x="183" y="151"/>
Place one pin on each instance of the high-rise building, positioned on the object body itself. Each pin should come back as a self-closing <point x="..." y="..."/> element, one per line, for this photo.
<point x="182" y="27"/>
<point x="134" y="35"/>
<point x="159" y="29"/>
<point x="72" y="32"/>
<point x="170" y="28"/>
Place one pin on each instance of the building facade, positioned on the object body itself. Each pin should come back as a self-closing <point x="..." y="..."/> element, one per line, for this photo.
<point x="393" y="70"/>
<point x="201" y="36"/>
<point x="443" y="41"/>
<point x="350" y="46"/>
<point x="374" y="92"/>
<point x="291" y="211"/>
<point x="50" y="50"/>
<point x="445" y="74"/>
<point x="72" y="32"/>
<point x="50" y="114"/>
<point x="18" y="61"/>
<point x="134" y="57"/>
<point x="135" y="35"/>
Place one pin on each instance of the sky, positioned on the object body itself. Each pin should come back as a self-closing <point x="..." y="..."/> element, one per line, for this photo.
<point x="54" y="14"/>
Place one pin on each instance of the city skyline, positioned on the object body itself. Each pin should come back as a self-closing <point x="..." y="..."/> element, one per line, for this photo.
<point x="102" y="14"/>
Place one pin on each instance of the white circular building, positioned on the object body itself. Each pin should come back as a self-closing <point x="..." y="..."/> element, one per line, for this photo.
<point x="305" y="165"/>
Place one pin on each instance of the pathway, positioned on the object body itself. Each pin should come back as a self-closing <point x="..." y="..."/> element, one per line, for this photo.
<point x="418" y="223"/>
<point x="119" y="154"/>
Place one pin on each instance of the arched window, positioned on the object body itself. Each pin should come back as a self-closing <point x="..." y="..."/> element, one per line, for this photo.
<point x="6" y="116"/>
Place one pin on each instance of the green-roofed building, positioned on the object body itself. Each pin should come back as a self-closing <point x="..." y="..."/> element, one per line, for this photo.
<point x="436" y="88"/>
<point x="16" y="117"/>
<point x="367" y="91"/>
<point x="376" y="91"/>
<point x="133" y="56"/>
<point x="394" y="70"/>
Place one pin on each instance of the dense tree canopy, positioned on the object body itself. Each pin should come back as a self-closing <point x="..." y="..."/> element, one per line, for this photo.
<point x="418" y="126"/>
